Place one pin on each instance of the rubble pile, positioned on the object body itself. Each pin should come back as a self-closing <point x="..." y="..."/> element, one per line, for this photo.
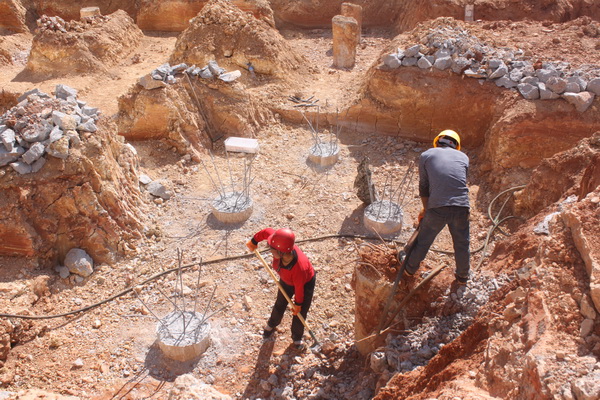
<point x="422" y="342"/>
<point x="165" y="74"/>
<point x="453" y="48"/>
<point x="56" y="23"/>
<point x="40" y="124"/>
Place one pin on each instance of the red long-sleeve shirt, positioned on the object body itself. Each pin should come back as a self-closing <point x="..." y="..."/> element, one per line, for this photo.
<point x="297" y="273"/>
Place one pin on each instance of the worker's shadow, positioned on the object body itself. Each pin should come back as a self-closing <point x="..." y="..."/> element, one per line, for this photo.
<point x="261" y="370"/>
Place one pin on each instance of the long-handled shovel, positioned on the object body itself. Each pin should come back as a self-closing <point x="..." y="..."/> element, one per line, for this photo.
<point x="315" y="344"/>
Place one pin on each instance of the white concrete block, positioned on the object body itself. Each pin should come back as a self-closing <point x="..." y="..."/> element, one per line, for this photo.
<point x="242" y="145"/>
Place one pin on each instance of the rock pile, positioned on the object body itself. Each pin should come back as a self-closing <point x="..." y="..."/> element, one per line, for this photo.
<point x="165" y="74"/>
<point x="40" y="124"/>
<point x="58" y="24"/>
<point x="420" y="344"/>
<point x="453" y="48"/>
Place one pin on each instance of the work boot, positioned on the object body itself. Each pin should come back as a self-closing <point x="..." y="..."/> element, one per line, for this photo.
<point x="299" y="345"/>
<point x="460" y="280"/>
<point x="268" y="332"/>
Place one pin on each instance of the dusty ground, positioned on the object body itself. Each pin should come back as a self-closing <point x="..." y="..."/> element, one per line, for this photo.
<point x="119" y="356"/>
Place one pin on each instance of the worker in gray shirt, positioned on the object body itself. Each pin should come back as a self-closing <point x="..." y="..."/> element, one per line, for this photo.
<point x="445" y="197"/>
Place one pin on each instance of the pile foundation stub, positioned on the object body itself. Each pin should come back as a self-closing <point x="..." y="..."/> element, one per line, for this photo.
<point x="345" y="38"/>
<point x="183" y="336"/>
<point x="324" y="154"/>
<point x="383" y="217"/>
<point x="232" y="207"/>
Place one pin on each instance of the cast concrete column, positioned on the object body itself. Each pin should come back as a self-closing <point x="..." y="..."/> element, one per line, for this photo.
<point x="345" y="39"/>
<point x="354" y="11"/>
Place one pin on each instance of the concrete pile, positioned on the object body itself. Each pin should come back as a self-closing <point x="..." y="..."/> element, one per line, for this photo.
<point x="446" y="48"/>
<point x="165" y="74"/>
<point x="40" y="124"/>
<point x="56" y="23"/>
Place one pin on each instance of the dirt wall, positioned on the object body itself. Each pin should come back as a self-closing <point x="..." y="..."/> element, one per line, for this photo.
<point x="85" y="48"/>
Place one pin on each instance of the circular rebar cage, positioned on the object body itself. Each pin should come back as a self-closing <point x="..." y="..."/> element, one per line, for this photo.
<point x="324" y="154"/>
<point x="183" y="336"/>
<point x="383" y="217"/>
<point x="232" y="207"/>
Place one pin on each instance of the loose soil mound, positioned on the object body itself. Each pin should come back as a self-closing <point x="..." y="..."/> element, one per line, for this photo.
<point x="84" y="194"/>
<point x="82" y="47"/>
<point x="233" y="38"/>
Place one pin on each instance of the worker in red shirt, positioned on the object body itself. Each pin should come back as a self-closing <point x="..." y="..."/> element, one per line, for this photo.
<point x="296" y="276"/>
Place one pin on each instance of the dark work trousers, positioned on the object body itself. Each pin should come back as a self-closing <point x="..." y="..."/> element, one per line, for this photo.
<point x="281" y="304"/>
<point x="435" y="219"/>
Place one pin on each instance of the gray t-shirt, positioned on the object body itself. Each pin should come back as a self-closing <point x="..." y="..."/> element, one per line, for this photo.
<point x="443" y="177"/>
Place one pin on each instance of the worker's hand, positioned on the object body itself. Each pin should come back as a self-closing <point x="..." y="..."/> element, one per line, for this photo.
<point x="251" y="246"/>
<point x="421" y="215"/>
<point x="296" y="309"/>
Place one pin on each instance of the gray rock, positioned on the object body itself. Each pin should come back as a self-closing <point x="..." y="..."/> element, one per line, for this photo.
<point x="409" y="61"/>
<point x="63" y="271"/>
<point x="205" y="73"/>
<point x="505" y="82"/>
<point x="145" y="179"/>
<point x="21" y="167"/>
<point x="582" y="101"/>
<point x="594" y="86"/>
<point x="55" y="134"/>
<point x="579" y="81"/>
<point x="158" y="190"/>
<point x="459" y="64"/>
<point x="556" y="84"/>
<point x="38" y="164"/>
<point x="546" y="94"/>
<point x="443" y="53"/>
<point x="516" y="75"/>
<point x="443" y="63"/>
<point x="28" y="93"/>
<point x="64" y="91"/>
<point x="149" y="83"/>
<point x="412" y="51"/>
<point x="79" y="262"/>
<point x="528" y="91"/>
<point x="532" y="80"/>
<point x="89" y="111"/>
<point x="6" y="157"/>
<point x="495" y="64"/>
<point x="424" y="63"/>
<point x="171" y="79"/>
<point x="544" y="74"/>
<point x="499" y="72"/>
<point x="214" y="68"/>
<point x="392" y="61"/>
<point x="89" y="126"/>
<point x="179" y="68"/>
<point x="38" y="132"/>
<point x="230" y="76"/>
<point x="573" y="87"/>
<point x="8" y="139"/>
<point x="35" y="152"/>
<point x="475" y="73"/>
<point x="163" y="71"/>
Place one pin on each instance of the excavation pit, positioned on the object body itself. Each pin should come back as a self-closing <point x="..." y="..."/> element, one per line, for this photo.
<point x="232" y="207"/>
<point x="183" y="336"/>
<point x="383" y="217"/>
<point x="324" y="154"/>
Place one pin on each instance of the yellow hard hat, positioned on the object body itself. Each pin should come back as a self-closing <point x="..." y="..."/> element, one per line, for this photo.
<point x="449" y="133"/>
